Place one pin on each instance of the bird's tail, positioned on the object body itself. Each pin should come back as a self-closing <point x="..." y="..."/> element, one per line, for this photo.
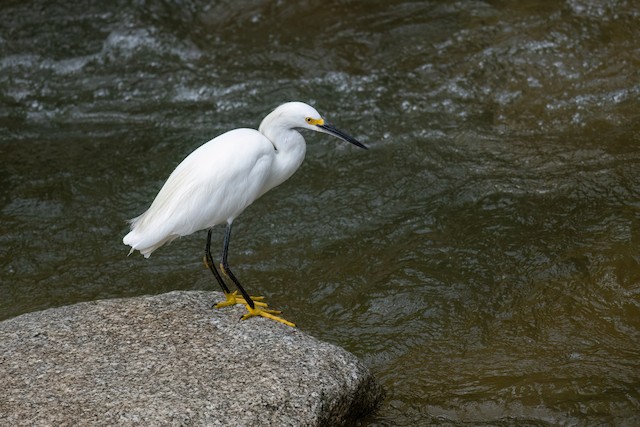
<point x="144" y="240"/>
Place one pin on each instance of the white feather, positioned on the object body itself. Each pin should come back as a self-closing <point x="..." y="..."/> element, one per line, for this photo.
<point x="220" y="179"/>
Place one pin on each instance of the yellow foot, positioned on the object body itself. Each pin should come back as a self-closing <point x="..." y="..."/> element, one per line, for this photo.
<point x="269" y="314"/>
<point x="233" y="299"/>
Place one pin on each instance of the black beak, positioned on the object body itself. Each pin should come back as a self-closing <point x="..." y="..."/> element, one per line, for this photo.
<point x="343" y="136"/>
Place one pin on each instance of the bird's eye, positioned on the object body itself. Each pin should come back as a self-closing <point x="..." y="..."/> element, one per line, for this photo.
<point x="308" y="119"/>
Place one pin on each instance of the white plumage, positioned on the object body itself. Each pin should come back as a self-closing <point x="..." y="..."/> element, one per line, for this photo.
<point x="211" y="186"/>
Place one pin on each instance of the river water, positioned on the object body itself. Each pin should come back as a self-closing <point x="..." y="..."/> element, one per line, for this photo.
<point x="482" y="258"/>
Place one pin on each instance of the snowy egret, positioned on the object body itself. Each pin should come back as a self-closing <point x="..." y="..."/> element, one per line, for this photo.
<point x="219" y="180"/>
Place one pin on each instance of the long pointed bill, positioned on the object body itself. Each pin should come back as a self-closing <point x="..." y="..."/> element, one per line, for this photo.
<point x="327" y="128"/>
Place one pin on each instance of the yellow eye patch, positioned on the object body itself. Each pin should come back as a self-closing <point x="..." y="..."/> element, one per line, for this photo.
<point x="317" y="122"/>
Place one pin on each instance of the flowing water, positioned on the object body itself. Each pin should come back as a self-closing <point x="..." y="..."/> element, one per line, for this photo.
<point x="482" y="258"/>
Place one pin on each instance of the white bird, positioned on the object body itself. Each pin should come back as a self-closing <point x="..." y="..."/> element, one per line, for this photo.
<point x="220" y="179"/>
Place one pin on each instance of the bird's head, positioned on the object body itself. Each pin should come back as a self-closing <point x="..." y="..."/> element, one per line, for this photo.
<point x="298" y="115"/>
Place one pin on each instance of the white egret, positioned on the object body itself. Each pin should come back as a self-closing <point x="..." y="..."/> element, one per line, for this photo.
<point x="219" y="180"/>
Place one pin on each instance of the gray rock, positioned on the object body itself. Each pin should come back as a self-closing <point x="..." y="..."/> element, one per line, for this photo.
<point x="172" y="360"/>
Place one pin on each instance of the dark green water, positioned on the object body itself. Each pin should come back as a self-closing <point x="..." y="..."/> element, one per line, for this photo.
<point x="482" y="257"/>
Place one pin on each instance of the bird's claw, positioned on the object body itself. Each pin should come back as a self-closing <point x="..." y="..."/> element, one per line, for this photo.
<point x="233" y="299"/>
<point x="269" y="314"/>
<point x="259" y="308"/>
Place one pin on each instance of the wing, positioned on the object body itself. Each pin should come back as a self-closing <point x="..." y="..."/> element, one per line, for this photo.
<point x="212" y="185"/>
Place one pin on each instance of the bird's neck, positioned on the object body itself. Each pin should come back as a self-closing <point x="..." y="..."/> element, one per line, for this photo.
<point x="290" y="149"/>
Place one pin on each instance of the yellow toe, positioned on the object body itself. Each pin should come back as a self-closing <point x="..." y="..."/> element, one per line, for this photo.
<point x="269" y="314"/>
<point x="233" y="299"/>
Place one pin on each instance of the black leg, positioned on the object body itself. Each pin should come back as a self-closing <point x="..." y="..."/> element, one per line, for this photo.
<point x="212" y="265"/>
<point x="228" y="272"/>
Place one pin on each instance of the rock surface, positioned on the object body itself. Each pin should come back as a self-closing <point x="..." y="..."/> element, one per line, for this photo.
<point x="172" y="360"/>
